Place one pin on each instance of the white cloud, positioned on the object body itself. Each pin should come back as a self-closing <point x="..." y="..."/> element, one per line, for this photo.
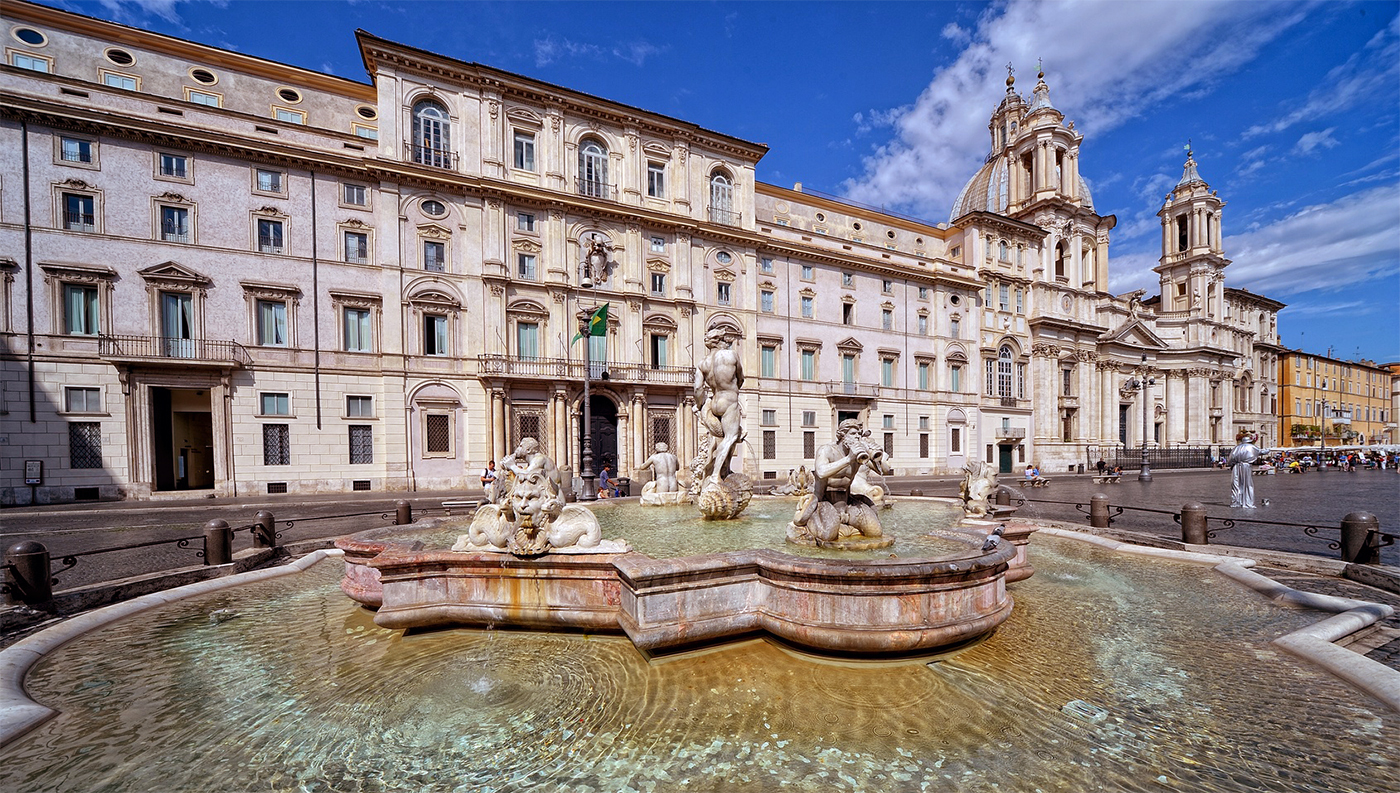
<point x="1314" y="140"/>
<point x="129" y="10"/>
<point x="549" y="50"/>
<point x="1105" y="63"/>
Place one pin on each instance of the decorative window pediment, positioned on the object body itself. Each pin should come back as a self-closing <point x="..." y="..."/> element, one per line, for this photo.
<point x="848" y="299"/>
<point x="528" y="308"/>
<point x="887" y="305"/>
<point x="176" y="276"/>
<point x="658" y="150"/>
<point x="173" y="198"/>
<point x="80" y="273"/>
<point x="766" y="284"/>
<point x="726" y="276"/>
<point x="888" y="352"/>
<point x="270" y="211"/>
<point x="436" y="298"/>
<point x="849" y="344"/>
<point x="525" y="117"/>
<point x="956" y="355"/>
<point x="659" y="323"/>
<point x="434" y="231"/>
<point x="807" y="292"/>
<point x="526" y="246"/>
<point x="770" y="340"/>
<point x="808" y="344"/>
<point x="355" y="223"/>
<point x="269" y="291"/>
<point x="356" y="299"/>
<point x="658" y="265"/>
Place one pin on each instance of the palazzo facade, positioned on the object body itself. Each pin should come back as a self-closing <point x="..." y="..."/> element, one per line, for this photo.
<point x="222" y="273"/>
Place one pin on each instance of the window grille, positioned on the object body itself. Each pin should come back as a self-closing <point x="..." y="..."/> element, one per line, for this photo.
<point x="361" y="444"/>
<point x="277" y="444"/>
<point x="809" y="445"/>
<point x="439" y="432"/>
<point x="889" y="444"/>
<point x="770" y="444"/>
<point x="923" y="445"/>
<point x="529" y="423"/>
<point x="85" y="444"/>
<point x="661" y="432"/>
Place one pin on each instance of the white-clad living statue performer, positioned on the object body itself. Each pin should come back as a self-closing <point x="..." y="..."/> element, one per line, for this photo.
<point x="1241" y="462"/>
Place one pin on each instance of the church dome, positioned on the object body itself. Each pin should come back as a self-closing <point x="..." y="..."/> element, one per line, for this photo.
<point x="987" y="190"/>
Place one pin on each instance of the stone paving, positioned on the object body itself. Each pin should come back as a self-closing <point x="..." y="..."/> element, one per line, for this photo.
<point x="1389" y="653"/>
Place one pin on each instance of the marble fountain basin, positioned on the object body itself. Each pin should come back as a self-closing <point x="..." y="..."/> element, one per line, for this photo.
<point x="935" y="588"/>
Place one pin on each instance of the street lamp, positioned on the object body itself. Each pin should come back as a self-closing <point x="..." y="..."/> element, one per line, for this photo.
<point x="1142" y="384"/>
<point x="594" y="268"/>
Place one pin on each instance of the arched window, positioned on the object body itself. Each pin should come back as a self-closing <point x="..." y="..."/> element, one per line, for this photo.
<point x="432" y="140"/>
<point x="1004" y="372"/>
<point x="1060" y="255"/>
<point x="1003" y="252"/>
<point x="722" y="199"/>
<point x="593" y="169"/>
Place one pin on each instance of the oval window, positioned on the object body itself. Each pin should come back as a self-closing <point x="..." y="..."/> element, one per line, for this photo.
<point x="889" y="234"/>
<point x="203" y="76"/>
<point x="289" y="95"/>
<point x="955" y="300"/>
<point x="821" y="217"/>
<point x="855" y="226"/>
<point x="120" y="57"/>
<point x="30" y="36"/>
<point x="723" y="258"/>
<point x="433" y="208"/>
<point x="367" y="111"/>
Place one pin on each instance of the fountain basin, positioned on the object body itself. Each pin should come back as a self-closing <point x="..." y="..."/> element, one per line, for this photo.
<point x="838" y="605"/>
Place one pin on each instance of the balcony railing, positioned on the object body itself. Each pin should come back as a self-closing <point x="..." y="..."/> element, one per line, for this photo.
<point x="185" y="351"/>
<point x="859" y="390"/>
<point x="594" y="188"/>
<point x="172" y="233"/>
<point x="1010" y="402"/>
<point x="564" y="369"/>
<point x="724" y="217"/>
<point x="1010" y="432"/>
<point x="426" y="155"/>
<point x="78" y="221"/>
<point x="270" y="244"/>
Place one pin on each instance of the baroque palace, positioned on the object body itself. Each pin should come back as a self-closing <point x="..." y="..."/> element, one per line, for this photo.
<point x="227" y="274"/>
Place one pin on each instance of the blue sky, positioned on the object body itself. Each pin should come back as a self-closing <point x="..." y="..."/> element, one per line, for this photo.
<point x="1291" y="106"/>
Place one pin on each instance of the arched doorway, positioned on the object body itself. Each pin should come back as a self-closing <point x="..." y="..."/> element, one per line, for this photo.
<point x="604" y="433"/>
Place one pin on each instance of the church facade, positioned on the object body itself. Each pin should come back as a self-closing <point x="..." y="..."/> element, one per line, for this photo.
<point x="230" y="275"/>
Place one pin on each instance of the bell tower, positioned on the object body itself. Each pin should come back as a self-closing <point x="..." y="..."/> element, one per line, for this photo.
<point x="1192" y="265"/>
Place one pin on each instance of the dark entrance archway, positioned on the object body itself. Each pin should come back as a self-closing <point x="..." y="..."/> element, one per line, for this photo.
<point x="604" y="432"/>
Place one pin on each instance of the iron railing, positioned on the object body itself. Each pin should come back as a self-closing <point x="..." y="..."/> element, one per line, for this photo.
<point x="842" y="388"/>
<point x="596" y="188"/>
<point x="724" y="217"/>
<point x="428" y="155"/>
<point x="566" y="369"/>
<point x="1130" y="458"/>
<point x="79" y="221"/>
<point x="160" y="347"/>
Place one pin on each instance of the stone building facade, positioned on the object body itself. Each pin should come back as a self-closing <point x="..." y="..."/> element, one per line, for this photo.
<point x="1334" y="401"/>
<point x="226" y="274"/>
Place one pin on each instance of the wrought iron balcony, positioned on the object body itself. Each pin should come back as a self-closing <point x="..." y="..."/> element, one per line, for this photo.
<point x="839" y="388"/>
<point x="78" y="221"/>
<point x="427" y="155"/>
<point x="181" y="352"/>
<point x="171" y="232"/>
<point x="1014" y="433"/>
<point x="1010" y="402"/>
<point x="565" y="369"/>
<point x="269" y="244"/>
<point x="724" y="217"/>
<point x="594" y="188"/>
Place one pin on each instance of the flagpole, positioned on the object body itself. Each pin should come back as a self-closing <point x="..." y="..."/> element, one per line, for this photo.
<point x="590" y="490"/>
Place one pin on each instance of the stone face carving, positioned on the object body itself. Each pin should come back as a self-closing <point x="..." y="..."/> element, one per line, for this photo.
<point x="721" y="492"/>
<point x="1241" y="473"/>
<point x="839" y="512"/>
<point x="979" y="483"/>
<point x="664" y="489"/>
<point x="529" y="516"/>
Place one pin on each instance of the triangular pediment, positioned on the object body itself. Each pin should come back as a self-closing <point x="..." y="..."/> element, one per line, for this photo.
<point x="1134" y="333"/>
<point x="849" y="344"/>
<point x="175" y="272"/>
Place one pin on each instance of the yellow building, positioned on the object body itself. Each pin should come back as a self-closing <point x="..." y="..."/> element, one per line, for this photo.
<point x="1349" y="400"/>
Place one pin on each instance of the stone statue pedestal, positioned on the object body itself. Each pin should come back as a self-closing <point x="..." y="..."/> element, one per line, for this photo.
<point x="855" y="542"/>
<point x="724" y="500"/>
<point x="850" y="527"/>
<point x="652" y="498"/>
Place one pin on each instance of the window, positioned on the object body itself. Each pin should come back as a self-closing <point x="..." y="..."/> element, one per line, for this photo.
<point x="770" y="444"/>
<point x="354" y="195"/>
<point x="1003" y="295"/>
<point x="955" y="378"/>
<point x="656" y="180"/>
<point x="809" y="418"/>
<point x="434" y="256"/>
<point x="525" y="150"/>
<point x="955" y="440"/>
<point x="923" y="422"/>
<point x="122" y="81"/>
<point x="659" y="345"/>
<point x="269" y="236"/>
<point x="847" y="279"/>
<point x="175" y="224"/>
<point x="808" y="273"/>
<point x="593" y="169"/>
<point x="78" y="214"/>
<point x="955" y="328"/>
<point x="357" y="330"/>
<point x="658" y="284"/>
<point x="437" y="432"/>
<point x="1066" y="382"/>
<point x="370" y="133"/>
<point x="807" y="310"/>
<point x="923" y="293"/>
<point x="809" y="364"/>
<point x="847" y="311"/>
<point x="1020" y="301"/>
<point x="204" y="98"/>
<point x="361" y="444"/>
<point x="525" y="266"/>
<point x="359" y="407"/>
<point x="277" y="444"/>
<point x="886" y="319"/>
<point x="30" y="62"/>
<point x="766" y="301"/>
<point x="269" y="181"/>
<point x="177" y="324"/>
<point x="923" y="324"/>
<point x="722" y="293"/>
<point x="85" y="444"/>
<point x="658" y="244"/>
<point x="174" y="165"/>
<point x="722" y="200"/>
<point x="768" y="361"/>
<point x="848" y="368"/>
<point x="433" y="208"/>
<point x="887" y="372"/>
<point x="923" y="445"/>
<point x="431" y="134"/>
<point x="887" y="286"/>
<point x="527" y="339"/>
<point x="923" y="376"/>
<point x="770" y="417"/>
<point x="271" y="404"/>
<point x="82" y="400"/>
<point x="1003" y="252"/>
<point x="525" y="221"/>
<point x="289" y="116"/>
<point x="809" y="445"/>
<point x="434" y="334"/>
<point x="889" y="444"/>
<point x="765" y="265"/>
<point x="272" y="323"/>
<point x="356" y="247"/>
<point x="76" y="150"/>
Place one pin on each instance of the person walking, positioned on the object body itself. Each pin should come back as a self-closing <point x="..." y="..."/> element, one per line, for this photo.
<point x="488" y="480"/>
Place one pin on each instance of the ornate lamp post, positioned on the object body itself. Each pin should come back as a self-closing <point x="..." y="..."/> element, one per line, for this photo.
<point x="1143" y="385"/>
<point x="593" y="269"/>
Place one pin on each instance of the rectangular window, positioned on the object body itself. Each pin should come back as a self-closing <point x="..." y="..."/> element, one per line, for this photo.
<point x="357" y="330"/>
<point x="807" y="272"/>
<point x="33" y="64"/>
<point x="889" y="444"/>
<point x="722" y="293"/>
<point x="847" y="312"/>
<point x="768" y="361"/>
<point x="289" y="116"/>
<point x="80" y="314"/>
<point x="656" y="180"/>
<point x="1020" y="301"/>
<point x="807" y="310"/>
<point x="923" y="422"/>
<point x="1020" y="381"/>
<point x="355" y="195"/>
<point x="923" y="324"/>
<point x="955" y="328"/>
<point x="76" y="150"/>
<point x="955" y="440"/>
<point x="277" y="444"/>
<point x="527" y="339"/>
<point x="361" y="444"/>
<point x="660" y="343"/>
<point x="809" y="445"/>
<point x="658" y="284"/>
<point x="174" y="165"/>
<point x="525" y="266"/>
<point x="809" y="365"/>
<point x="1067" y="382"/>
<point x="887" y="421"/>
<point x="923" y="445"/>
<point x="809" y="418"/>
<point x="847" y="279"/>
<point x="886" y="286"/>
<point x="269" y="236"/>
<point x="525" y="221"/>
<point x="270" y="181"/>
<point x="202" y="98"/>
<point x="886" y="372"/>
<point x="359" y="407"/>
<point x="769" y="417"/>
<point x="83" y="400"/>
<point x="848" y="368"/>
<point x="770" y="444"/>
<point x="370" y="133"/>
<point x="272" y="323"/>
<point x="886" y="319"/>
<point x="434" y="256"/>
<point x="923" y="293"/>
<point x="658" y="244"/>
<point x="437" y="427"/>
<point x="85" y="444"/>
<point x="274" y="404"/>
<point x="525" y="151"/>
<point x="356" y="247"/>
<point x="78" y="213"/>
<point x="923" y="376"/>
<point x="1003" y="295"/>
<point x="175" y="224"/>
<point x="434" y="334"/>
<point x="766" y="301"/>
<point x="765" y="265"/>
<point x="989" y="452"/>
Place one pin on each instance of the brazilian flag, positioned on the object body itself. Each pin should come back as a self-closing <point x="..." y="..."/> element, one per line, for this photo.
<point x="597" y="323"/>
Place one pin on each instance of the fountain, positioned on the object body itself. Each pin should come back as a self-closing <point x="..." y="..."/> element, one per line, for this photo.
<point x="839" y="512"/>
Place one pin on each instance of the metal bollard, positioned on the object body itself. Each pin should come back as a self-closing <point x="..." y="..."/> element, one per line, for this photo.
<point x="264" y="530"/>
<point x="1360" y="535"/>
<point x="27" y="576"/>
<point x="1003" y="497"/>
<point x="916" y="492"/>
<point x="1193" y="524"/>
<point x="1098" y="511"/>
<point x="218" y="542"/>
<point x="403" y="513"/>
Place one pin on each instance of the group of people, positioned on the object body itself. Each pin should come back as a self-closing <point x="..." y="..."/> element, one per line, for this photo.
<point x="608" y="487"/>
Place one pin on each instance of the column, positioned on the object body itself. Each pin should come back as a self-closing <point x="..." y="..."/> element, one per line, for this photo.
<point x="1108" y="432"/>
<point x="624" y="441"/>
<point x="498" y="424"/>
<point x="639" y="429"/>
